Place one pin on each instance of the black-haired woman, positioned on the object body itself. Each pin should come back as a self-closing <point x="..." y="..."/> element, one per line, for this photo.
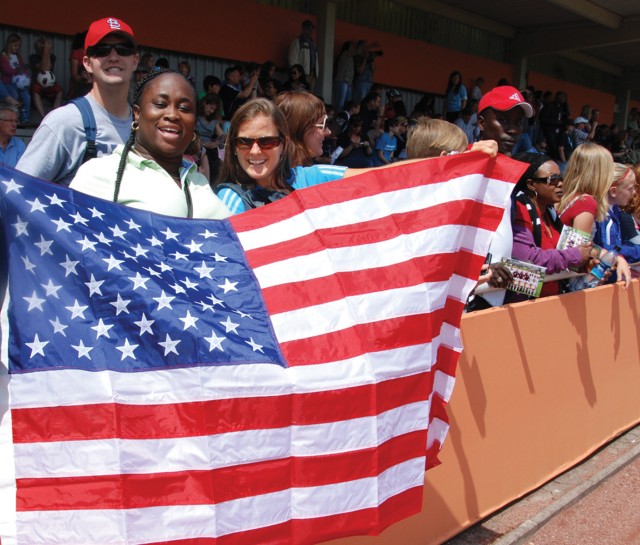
<point x="150" y="172"/>
<point x="536" y="226"/>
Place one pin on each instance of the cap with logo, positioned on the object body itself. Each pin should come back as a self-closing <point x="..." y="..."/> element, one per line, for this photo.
<point x="504" y="98"/>
<point x="109" y="25"/>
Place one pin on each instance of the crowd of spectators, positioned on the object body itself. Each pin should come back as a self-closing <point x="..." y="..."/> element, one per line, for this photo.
<point x="366" y="126"/>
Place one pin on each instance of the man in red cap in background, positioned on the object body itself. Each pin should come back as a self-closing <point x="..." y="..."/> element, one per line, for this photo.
<point x="500" y="117"/>
<point x="58" y="147"/>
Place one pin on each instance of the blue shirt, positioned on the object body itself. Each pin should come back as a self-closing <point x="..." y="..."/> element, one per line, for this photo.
<point x="11" y="155"/>
<point x="301" y="177"/>
<point x="387" y="145"/>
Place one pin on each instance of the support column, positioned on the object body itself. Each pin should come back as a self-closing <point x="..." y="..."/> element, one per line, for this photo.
<point x="623" y="97"/>
<point x="326" y="12"/>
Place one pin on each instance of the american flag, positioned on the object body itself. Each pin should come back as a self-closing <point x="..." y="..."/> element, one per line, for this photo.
<point x="279" y="377"/>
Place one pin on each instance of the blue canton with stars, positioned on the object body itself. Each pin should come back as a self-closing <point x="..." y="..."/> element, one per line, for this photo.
<point x="95" y="285"/>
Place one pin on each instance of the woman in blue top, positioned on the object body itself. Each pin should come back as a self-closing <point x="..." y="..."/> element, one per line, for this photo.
<point x="455" y="97"/>
<point x="257" y="162"/>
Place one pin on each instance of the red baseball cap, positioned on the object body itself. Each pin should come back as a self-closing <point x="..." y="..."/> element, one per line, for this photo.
<point x="504" y="98"/>
<point x="109" y="25"/>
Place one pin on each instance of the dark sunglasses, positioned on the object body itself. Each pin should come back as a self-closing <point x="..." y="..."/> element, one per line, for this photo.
<point x="264" y="142"/>
<point x="104" y="50"/>
<point x="554" y="179"/>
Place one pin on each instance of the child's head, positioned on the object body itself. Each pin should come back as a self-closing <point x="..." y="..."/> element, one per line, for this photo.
<point x="434" y="137"/>
<point x="391" y="125"/>
<point x="589" y="171"/>
<point x="633" y="206"/>
<point x="623" y="186"/>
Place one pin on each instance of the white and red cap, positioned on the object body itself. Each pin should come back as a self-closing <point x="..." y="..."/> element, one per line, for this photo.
<point x="109" y="25"/>
<point x="504" y="98"/>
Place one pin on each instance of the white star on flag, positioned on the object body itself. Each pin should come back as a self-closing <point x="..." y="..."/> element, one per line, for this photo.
<point x="127" y="350"/>
<point x="169" y="345"/>
<point x="37" y="346"/>
<point x="102" y="329"/>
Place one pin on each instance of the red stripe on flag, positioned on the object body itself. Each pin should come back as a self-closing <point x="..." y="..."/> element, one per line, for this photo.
<point x="111" y="420"/>
<point x="308" y="531"/>
<point x="382" y="335"/>
<point x="316" y="291"/>
<point x="380" y="181"/>
<point x="465" y="212"/>
<point x="131" y="491"/>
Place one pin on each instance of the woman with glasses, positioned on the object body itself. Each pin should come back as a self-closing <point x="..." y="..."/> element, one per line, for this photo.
<point x="536" y="226"/>
<point x="297" y="79"/>
<point x="150" y="171"/>
<point x="258" y="167"/>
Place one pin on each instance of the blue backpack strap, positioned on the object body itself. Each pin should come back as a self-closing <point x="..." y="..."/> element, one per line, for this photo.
<point x="90" y="129"/>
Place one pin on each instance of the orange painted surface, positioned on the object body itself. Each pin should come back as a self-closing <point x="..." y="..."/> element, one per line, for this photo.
<point x="578" y="96"/>
<point x="540" y="386"/>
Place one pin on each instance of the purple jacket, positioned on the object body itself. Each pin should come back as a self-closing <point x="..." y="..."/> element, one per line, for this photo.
<point x="525" y="249"/>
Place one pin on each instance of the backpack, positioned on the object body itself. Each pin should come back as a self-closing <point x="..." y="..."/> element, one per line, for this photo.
<point x="252" y="197"/>
<point x="90" y="129"/>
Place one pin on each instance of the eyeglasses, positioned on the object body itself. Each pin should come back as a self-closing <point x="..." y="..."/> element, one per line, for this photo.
<point x="104" y="50"/>
<point x="554" y="179"/>
<point x="323" y="124"/>
<point x="264" y="142"/>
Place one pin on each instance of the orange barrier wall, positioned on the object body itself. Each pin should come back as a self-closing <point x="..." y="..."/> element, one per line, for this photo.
<point x="540" y="386"/>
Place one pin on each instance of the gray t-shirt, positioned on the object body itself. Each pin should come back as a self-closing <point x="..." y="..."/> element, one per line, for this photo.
<point x="57" y="148"/>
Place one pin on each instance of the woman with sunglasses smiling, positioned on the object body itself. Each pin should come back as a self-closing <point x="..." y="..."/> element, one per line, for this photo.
<point x="151" y="171"/>
<point x="258" y="166"/>
<point x="536" y="227"/>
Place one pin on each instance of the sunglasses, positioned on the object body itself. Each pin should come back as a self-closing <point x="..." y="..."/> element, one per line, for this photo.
<point x="323" y="124"/>
<point x="554" y="179"/>
<point x="104" y="50"/>
<point x="264" y="142"/>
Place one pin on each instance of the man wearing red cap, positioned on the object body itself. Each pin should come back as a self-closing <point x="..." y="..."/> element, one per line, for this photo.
<point x="500" y="116"/>
<point x="58" y="147"/>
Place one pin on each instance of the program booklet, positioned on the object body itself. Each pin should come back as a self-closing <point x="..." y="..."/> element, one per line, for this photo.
<point x="527" y="277"/>
<point x="572" y="237"/>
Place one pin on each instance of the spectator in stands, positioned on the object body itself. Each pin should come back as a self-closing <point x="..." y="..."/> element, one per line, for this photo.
<point x="303" y="51"/>
<point x="209" y="129"/>
<point x="58" y="146"/>
<point x="364" y="68"/>
<point x="476" y="92"/>
<point x="184" y="67"/>
<point x="566" y="145"/>
<point x="80" y="80"/>
<point x="395" y="106"/>
<point x="552" y="117"/>
<point x="148" y="62"/>
<point x="15" y="76"/>
<point x="344" y="74"/>
<point x="465" y="122"/>
<point x="150" y="171"/>
<point x="44" y="84"/>
<point x="371" y="114"/>
<point x="211" y="84"/>
<point x="356" y="148"/>
<point x="272" y="89"/>
<point x="306" y="120"/>
<point x="11" y="147"/>
<point x="387" y="143"/>
<point x="455" y="98"/>
<point x="161" y="64"/>
<point x="434" y="138"/>
<point x="267" y="73"/>
<point x="580" y="132"/>
<point x="297" y="79"/>
<point x="536" y="226"/>
<point x="586" y="182"/>
<point x="609" y="232"/>
<point x="500" y="115"/>
<point x="630" y="216"/>
<point x="342" y="118"/>
<point x="233" y="93"/>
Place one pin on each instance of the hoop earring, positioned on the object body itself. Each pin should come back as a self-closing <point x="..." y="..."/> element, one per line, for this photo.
<point x="134" y="126"/>
<point x="194" y="137"/>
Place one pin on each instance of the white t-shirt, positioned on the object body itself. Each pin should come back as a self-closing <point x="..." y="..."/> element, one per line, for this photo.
<point x="147" y="186"/>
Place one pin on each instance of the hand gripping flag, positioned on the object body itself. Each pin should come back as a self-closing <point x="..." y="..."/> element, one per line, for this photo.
<point x="280" y="377"/>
